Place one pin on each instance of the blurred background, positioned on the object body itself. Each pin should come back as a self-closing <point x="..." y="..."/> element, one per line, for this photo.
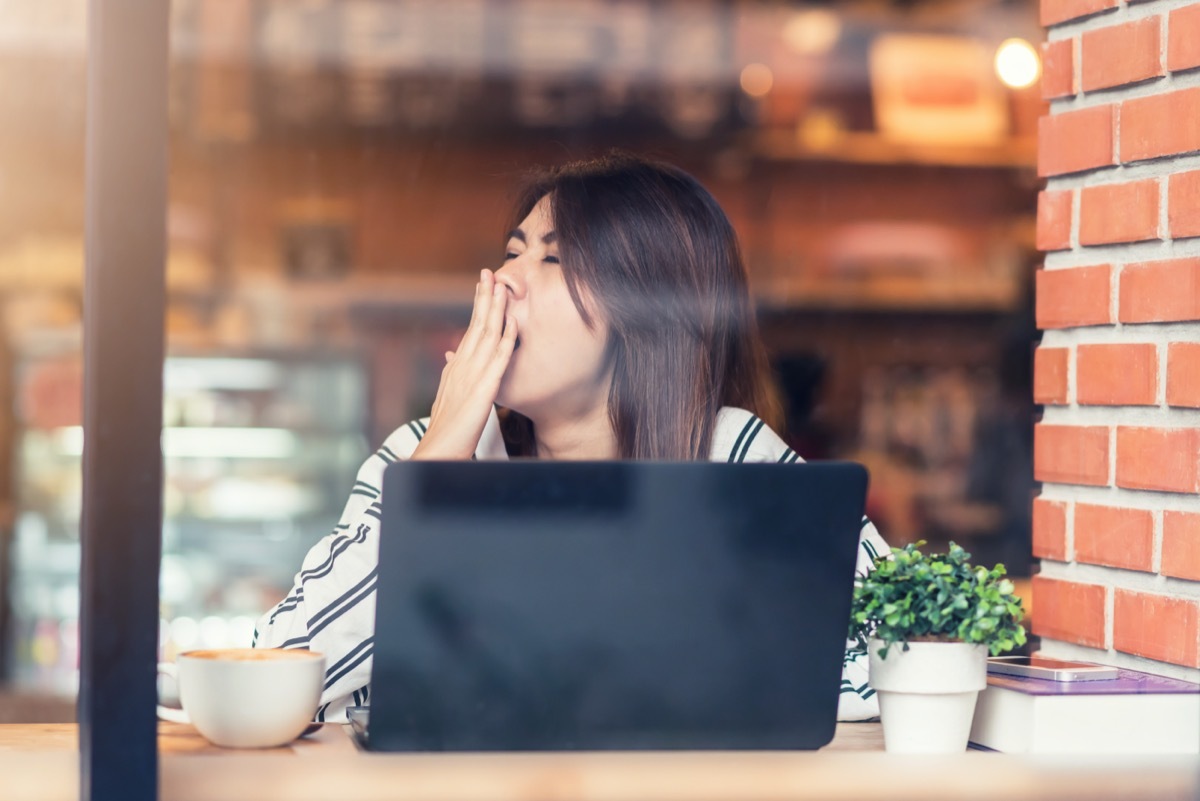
<point x="340" y="171"/>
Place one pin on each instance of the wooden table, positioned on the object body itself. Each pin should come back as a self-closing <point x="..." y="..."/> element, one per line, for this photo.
<point x="39" y="762"/>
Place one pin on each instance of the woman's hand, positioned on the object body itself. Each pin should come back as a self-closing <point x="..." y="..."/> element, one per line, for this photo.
<point x="471" y="377"/>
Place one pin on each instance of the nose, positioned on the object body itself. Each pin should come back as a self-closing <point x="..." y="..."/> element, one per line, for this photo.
<point x="512" y="276"/>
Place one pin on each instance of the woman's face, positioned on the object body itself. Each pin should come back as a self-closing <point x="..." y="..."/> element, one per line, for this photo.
<point x="558" y="367"/>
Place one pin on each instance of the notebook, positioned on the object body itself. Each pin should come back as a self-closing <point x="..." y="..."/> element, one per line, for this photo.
<point x="1135" y="713"/>
<point x="531" y="605"/>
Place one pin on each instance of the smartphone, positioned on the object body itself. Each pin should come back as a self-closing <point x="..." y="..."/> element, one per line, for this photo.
<point x="1040" y="667"/>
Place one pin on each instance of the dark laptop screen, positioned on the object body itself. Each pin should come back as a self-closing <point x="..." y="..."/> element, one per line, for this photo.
<point x="539" y="605"/>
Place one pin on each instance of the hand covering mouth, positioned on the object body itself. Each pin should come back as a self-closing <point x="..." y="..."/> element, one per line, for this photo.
<point x="516" y="344"/>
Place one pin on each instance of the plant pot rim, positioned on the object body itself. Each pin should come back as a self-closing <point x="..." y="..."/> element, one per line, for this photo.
<point x="928" y="667"/>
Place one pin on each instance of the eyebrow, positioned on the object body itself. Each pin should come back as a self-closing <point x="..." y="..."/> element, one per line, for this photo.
<point x="549" y="238"/>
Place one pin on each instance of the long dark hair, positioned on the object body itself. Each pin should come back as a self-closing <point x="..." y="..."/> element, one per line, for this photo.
<point x="659" y="257"/>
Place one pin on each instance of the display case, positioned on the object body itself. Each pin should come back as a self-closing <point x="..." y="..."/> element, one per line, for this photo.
<point x="260" y="451"/>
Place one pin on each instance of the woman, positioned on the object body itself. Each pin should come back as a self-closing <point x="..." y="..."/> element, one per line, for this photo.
<point x="620" y="326"/>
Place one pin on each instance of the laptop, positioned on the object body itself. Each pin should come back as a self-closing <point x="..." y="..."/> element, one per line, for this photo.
<point x="546" y="606"/>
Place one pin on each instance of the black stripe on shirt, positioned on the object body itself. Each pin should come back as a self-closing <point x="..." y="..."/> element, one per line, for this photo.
<point x="864" y="692"/>
<point x="749" y="441"/>
<point x="339" y="542"/>
<point x="738" y="442"/>
<point x="321" y="712"/>
<point x="387" y="454"/>
<point x="374" y="512"/>
<point x="365" y="486"/>
<point x="367" y="579"/>
<point x="358" y="660"/>
<point x="418" y="433"/>
<point x="339" y="546"/>
<point x="870" y="549"/>
<point x="422" y="425"/>
<point x="353" y="652"/>
<point x="287" y="605"/>
<point x="300" y="643"/>
<point x="351" y="600"/>
<point x="783" y="459"/>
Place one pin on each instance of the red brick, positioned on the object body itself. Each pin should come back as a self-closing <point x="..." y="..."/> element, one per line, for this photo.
<point x="1075" y="141"/>
<point x="1054" y="220"/>
<point x="1183" y="38"/>
<point x="1116" y="375"/>
<point x="1050" y="375"/>
<point x="1071" y="454"/>
<point x="1160" y="125"/>
<point x="1118" y="213"/>
<point x="1049" y="529"/>
<point x="1114" y="537"/>
<point x="1074" y="297"/>
<point x="1120" y="54"/>
<point x="1055" y="11"/>
<point x="1157" y="627"/>
<point x="1161" y="459"/>
<point x="1064" y="610"/>
<point x="1160" y="291"/>
<point x="1058" y="69"/>
<point x="1183" y="204"/>
<point x="1183" y="374"/>
<point x="1181" y="545"/>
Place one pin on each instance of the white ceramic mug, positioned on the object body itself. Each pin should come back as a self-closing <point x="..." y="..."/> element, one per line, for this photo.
<point x="246" y="697"/>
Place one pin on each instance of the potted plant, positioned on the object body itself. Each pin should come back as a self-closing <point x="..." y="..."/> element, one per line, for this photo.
<point x="928" y="623"/>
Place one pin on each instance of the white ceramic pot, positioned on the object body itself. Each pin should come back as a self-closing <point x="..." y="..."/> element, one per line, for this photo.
<point x="927" y="694"/>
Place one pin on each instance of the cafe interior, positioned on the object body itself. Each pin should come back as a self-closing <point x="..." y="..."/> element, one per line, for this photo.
<point x="339" y="171"/>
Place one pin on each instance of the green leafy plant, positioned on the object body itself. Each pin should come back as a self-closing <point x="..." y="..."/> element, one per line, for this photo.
<point x="941" y="598"/>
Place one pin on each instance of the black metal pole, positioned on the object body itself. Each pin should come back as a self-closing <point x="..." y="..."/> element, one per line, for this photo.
<point x="124" y="292"/>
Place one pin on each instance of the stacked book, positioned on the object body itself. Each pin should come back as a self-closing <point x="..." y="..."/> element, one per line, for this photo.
<point x="1135" y="713"/>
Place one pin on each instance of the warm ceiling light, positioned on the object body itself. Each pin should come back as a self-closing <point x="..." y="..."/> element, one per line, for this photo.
<point x="1017" y="63"/>
<point x="812" y="32"/>
<point x="757" y="79"/>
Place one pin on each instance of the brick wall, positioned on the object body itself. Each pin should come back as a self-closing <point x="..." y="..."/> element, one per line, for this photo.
<point x="1117" y="523"/>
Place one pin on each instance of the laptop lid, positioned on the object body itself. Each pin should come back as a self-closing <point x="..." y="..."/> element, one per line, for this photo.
<point x="533" y="605"/>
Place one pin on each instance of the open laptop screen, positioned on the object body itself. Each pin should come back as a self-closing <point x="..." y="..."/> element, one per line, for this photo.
<point x="541" y="605"/>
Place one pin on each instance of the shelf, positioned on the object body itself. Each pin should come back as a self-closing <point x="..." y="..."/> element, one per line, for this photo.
<point x="857" y="147"/>
<point x="916" y="297"/>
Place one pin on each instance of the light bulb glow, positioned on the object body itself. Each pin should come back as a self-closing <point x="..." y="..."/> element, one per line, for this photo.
<point x="812" y="32"/>
<point x="1017" y="63"/>
<point x="757" y="79"/>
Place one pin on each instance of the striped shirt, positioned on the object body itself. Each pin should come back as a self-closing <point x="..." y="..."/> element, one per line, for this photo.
<point x="331" y="607"/>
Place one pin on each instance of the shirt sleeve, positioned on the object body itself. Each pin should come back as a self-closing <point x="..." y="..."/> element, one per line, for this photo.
<point x="858" y="700"/>
<point x="331" y="606"/>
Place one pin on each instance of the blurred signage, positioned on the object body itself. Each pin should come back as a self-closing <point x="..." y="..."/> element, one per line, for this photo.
<point x="937" y="90"/>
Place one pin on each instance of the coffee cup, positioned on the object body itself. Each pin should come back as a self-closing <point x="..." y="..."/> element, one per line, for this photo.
<point x="246" y="697"/>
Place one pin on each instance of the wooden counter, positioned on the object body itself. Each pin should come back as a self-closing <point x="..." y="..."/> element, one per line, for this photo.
<point x="39" y="762"/>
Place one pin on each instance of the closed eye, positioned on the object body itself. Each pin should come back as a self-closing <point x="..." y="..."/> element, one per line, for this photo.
<point x="551" y="259"/>
<point x="509" y="256"/>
